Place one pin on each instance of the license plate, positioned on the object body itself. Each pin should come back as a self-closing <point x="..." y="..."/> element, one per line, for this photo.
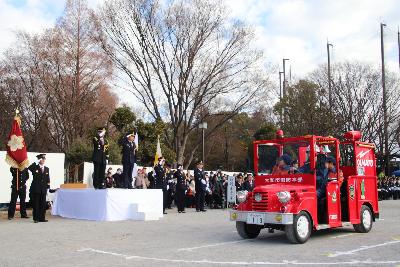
<point x="254" y="218"/>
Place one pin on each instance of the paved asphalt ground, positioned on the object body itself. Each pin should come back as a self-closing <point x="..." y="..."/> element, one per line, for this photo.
<point x="200" y="239"/>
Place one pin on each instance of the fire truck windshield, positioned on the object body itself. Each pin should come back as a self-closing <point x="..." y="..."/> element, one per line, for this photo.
<point x="287" y="157"/>
<point x="293" y="157"/>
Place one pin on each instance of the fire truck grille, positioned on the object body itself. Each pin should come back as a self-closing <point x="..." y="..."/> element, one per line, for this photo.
<point x="261" y="205"/>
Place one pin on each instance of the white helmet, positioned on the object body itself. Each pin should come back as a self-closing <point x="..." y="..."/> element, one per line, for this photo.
<point x="326" y="149"/>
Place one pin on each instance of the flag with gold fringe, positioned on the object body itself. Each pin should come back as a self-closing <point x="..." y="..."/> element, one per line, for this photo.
<point x="17" y="155"/>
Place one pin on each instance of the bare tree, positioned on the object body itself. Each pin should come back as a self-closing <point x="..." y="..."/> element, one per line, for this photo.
<point x="184" y="61"/>
<point x="60" y="78"/>
<point x="357" y="101"/>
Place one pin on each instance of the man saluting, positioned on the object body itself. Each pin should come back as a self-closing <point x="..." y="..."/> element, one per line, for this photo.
<point x="128" y="159"/>
<point x="99" y="158"/>
<point x="39" y="186"/>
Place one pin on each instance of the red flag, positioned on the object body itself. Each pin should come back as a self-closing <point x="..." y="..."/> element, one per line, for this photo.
<point x="17" y="156"/>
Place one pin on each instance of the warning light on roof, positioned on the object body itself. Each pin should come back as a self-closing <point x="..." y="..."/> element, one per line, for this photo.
<point x="353" y="135"/>
<point x="279" y="134"/>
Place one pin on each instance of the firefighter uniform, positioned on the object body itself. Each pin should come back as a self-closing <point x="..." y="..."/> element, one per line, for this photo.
<point x="38" y="190"/>
<point x="128" y="160"/>
<point x="181" y="188"/>
<point x="99" y="158"/>
<point x="170" y="188"/>
<point x="160" y="181"/>
<point x="200" y="185"/>
<point x="18" y="189"/>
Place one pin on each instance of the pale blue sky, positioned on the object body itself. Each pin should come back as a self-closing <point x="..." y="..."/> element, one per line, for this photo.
<point x="295" y="29"/>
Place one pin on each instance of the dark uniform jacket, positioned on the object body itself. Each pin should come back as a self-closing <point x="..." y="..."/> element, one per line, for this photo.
<point x="100" y="150"/>
<point x="41" y="180"/>
<point x="239" y="187"/>
<point x="118" y="180"/>
<point x="159" y="179"/>
<point x="180" y="181"/>
<point x="198" y="178"/>
<point x="152" y="181"/>
<point x="128" y="152"/>
<point x="23" y="176"/>
<point x="170" y="181"/>
<point x="247" y="186"/>
<point x="217" y="188"/>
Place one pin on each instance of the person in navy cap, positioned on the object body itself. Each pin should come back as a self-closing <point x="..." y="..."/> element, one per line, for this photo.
<point x="160" y="181"/>
<point x="100" y="158"/>
<point x="200" y="185"/>
<point x="128" y="159"/>
<point x="39" y="186"/>
<point x="18" y="189"/>
<point x="181" y="188"/>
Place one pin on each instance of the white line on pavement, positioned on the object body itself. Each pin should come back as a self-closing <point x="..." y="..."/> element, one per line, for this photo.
<point x="284" y="262"/>
<point x="213" y="245"/>
<point x="339" y="236"/>
<point x="350" y="252"/>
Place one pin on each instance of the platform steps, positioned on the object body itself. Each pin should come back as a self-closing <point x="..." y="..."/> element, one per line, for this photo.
<point x="140" y="215"/>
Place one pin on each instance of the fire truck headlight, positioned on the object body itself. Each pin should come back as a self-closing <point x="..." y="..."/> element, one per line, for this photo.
<point x="283" y="196"/>
<point x="241" y="196"/>
<point x="258" y="197"/>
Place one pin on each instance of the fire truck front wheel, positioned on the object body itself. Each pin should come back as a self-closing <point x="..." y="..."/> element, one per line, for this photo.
<point x="247" y="231"/>
<point x="366" y="220"/>
<point x="299" y="232"/>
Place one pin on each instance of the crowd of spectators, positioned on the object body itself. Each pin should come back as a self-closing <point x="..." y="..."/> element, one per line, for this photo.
<point x="389" y="188"/>
<point x="216" y="187"/>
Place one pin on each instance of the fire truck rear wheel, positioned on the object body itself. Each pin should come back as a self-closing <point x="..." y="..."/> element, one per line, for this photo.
<point x="366" y="220"/>
<point x="247" y="231"/>
<point x="299" y="232"/>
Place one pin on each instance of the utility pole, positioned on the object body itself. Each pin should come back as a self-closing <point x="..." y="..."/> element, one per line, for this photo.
<point x="385" y="119"/>
<point x="203" y="126"/>
<point x="284" y="77"/>
<point x="280" y="93"/>
<point x="328" y="45"/>
<point x="398" y="43"/>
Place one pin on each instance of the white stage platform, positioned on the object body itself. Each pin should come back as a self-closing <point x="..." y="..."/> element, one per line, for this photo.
<point x="109" y="204"/>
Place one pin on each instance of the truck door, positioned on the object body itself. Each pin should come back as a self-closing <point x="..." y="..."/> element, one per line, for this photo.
<point x="333" y="203"/>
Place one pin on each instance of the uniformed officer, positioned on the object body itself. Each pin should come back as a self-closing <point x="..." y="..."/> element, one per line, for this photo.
<point x="39" y="186"/>
<point x="181" y="187"/>
<point x="160" y="181"/>
<point x="200" y="185"/>
<point x="169" y="175"/>
<point x="100" y="158"/>
<point x="18" y="189"/>
<point x="128" y="159"/>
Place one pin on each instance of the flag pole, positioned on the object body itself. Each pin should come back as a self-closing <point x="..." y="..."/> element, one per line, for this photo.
<point x="16" y="115"/>
<point x="17" y="179"/>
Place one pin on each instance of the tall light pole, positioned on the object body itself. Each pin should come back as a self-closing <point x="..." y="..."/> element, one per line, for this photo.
<point x="284" y="77"/>
<point x="328" y="45"/>
<point x="203" y="126"/>
<point x="385" y="120"/>
<point x="280" y="92"/>
<point x="398" y="42"/>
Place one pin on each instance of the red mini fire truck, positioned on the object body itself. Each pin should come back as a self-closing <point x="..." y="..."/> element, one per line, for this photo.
<point x="288" y="201"/>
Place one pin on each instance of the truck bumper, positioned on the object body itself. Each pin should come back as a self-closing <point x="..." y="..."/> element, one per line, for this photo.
<point x="266" y="217"/>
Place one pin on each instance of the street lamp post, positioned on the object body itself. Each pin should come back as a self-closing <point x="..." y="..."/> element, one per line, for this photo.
<point x="280" y="94"/>
<point x="328" y="45"/>
<point x="284" y="76"/>
<point x="203" y="126"/>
